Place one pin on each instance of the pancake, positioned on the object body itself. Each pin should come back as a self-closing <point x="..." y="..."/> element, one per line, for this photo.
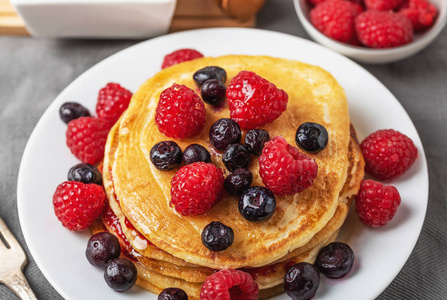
<point x="139" y="243"/>
<point x="143" y="192"/>
<point x="270" y="282"/>
<point x="159" y="261"/>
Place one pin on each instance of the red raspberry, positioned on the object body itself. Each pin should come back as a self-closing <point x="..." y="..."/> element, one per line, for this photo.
<point x="179" y="56"/>
<point x="376" y="204"/>
<point x="335" y="19"/>
<point x="383" y="4"/>
<point x="195" y="188"/>
<point x="229" y="284"/>
<point x="254" y="101"/>
<point x="388" y="154"/>
<point x="284" y="169"/>
<point x="180" y="112"/>
<point x="113" y="100"/>
<point x="383" y="29"/>
<point x="421" y="13"/>
<point x="86" y="138"/>
<point x="77" y="204"/>
<point x="316" y="2"/>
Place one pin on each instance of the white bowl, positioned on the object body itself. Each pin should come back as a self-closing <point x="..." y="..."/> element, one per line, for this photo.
<point x="96" y="18"/>
<point x="374" y="56"/>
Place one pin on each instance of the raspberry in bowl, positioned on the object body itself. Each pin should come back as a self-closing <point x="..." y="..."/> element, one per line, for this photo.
<point x="405" y="44"/>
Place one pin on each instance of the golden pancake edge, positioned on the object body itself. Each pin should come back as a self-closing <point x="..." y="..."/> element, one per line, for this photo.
<point x="143" y="191"/>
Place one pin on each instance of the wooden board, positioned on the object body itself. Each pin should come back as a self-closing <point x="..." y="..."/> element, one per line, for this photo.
<point x="189" y="14"/>
<point x="10" y="22"/>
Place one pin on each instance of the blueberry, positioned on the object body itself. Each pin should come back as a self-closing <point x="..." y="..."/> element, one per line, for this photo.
<point x="255" y="140"/>
<point x="166" y="155"/>
<point x="238" y="181"/>
<point x="207" y="73"/>
<point x="301" y="281"/>
<point x="217" y="236"/>
<point x="72" y="110"/>
<point x="120" y="274"/>
<point x="236" y="156"/>
<point x="85" y="173"/>
<point x="311" y="137"/>
<point x="102" y="248"/>
<point x="335" y="260"/>
<point x="172" y="294"/>
<point x="194" y="153"/>
<point x="213" y="92"/>
<point x="224" y="132"/>
<point x="257" y="203"/>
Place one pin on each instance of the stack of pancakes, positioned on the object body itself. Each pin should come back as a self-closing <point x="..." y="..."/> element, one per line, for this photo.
<point x="168" y="246"/>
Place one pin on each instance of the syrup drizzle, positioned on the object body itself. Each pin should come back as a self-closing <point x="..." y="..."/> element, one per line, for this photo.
<point x="126" y="221"/>
<point x="131" y="227"/>
<point x="113" y="225"/>
<point x="260" y="271"/>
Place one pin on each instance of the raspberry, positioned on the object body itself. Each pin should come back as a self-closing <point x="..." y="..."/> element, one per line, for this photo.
<point x="254" y="101"/>
<point x="335" y="19"/>
<point x="376" y="204"/>
<point x="383" y="29"/>
<point x="229" y="284"/>
<point x="284" y="169"/>
<point x="383" y="4"/>
<point x="113" y="100"/>
<point x="421" y="13"/>
<point x="77" y="204"/>
<point x="86" y="138"/>
<point x="195" y="188"/>
<point x="180" y="112"/>
<point x="316" y="2"/>
<point x="388" y="154"/>
<point x="179" y="56"/>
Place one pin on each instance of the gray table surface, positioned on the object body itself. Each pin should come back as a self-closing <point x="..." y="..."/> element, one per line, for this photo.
<point x="33" y="72"/>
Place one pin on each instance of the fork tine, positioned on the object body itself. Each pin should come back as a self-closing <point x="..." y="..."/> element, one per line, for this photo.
<point x="3" y="242"/>
<point x="9" y="237"/>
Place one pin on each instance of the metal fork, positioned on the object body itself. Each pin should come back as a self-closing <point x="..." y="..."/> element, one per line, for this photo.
<point x="12" y="262"/>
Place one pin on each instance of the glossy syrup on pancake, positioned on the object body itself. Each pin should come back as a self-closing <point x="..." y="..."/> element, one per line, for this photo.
<point x="144" y="192"/>
<point x="197" y="274"/>
<point x="269" y="278"/>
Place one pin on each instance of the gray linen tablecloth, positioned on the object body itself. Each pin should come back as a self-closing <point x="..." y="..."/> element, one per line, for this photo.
<point x="33" y="72"/>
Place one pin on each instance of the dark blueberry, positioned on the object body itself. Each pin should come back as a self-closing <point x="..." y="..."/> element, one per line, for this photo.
<point x="166" y="155"/>
<point x="120" y="274"/>
<point x="236" y="156"/>
<point x="311" y="137"/>
<point x="102" y="248"/>
<point x="238" y="181"/>
<point x="194" y="153"/>
<point x="207" y="73"/>
<point x="72" y="110"/>
<point x="224" y="132"/>
<point x="257" y="203"/>
<point x="255" y="140"/>
<point x="335" y="260"/>
<point x="301" y="281"/>
<point x="172" y="294"/>
<point x="217" y="236"/>
<point x="85" y="173"/>
<point x="213" y="92"/>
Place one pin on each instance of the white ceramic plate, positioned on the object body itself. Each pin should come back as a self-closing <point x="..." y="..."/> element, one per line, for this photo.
<point x="380" y="253"/>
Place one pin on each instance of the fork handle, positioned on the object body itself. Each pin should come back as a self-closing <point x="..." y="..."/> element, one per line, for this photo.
<point x="19" y="285"/>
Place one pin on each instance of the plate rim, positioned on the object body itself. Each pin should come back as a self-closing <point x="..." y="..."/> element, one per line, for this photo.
<point x="72" y="84"/>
